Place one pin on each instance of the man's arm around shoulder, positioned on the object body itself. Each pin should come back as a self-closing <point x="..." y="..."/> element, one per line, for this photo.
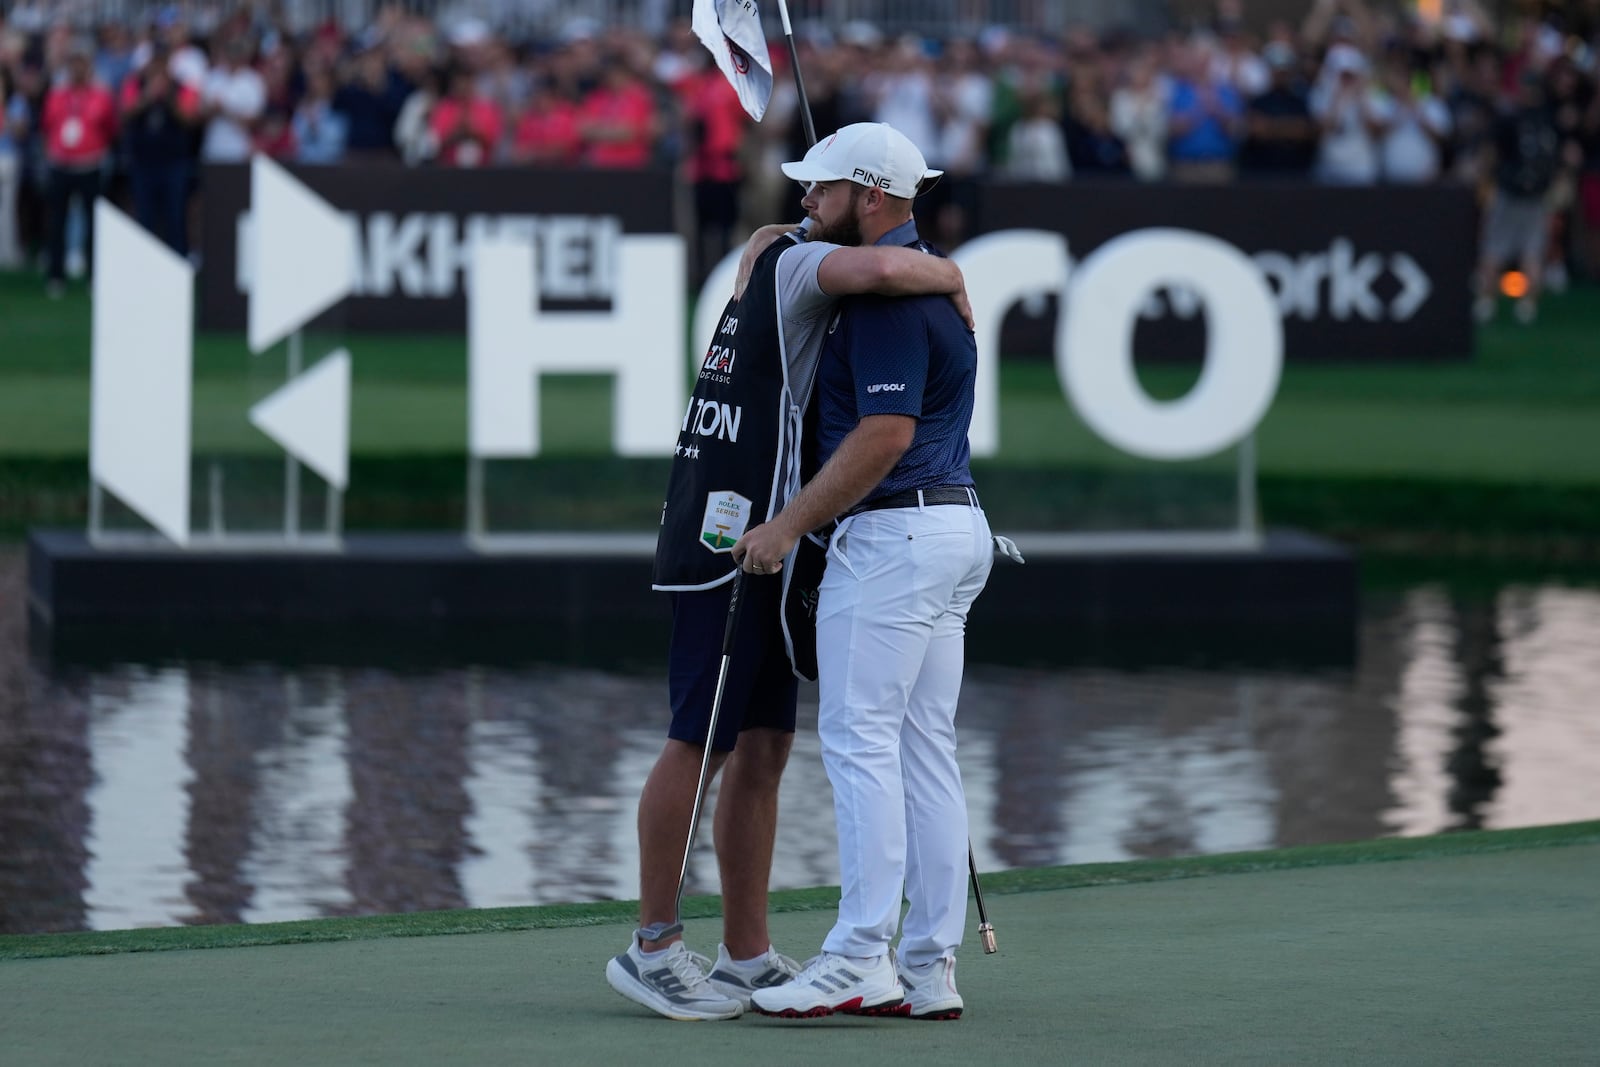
<point x="887" y="271"/>
<point x="814" y="274"/>
<point x="893" y="271"/>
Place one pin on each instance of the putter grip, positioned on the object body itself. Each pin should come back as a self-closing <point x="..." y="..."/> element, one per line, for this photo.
<point x="732" y="625"/>
<point x="986" y="935"/>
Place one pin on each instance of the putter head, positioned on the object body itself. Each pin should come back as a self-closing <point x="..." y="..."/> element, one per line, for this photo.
<point x="986" y="935"/>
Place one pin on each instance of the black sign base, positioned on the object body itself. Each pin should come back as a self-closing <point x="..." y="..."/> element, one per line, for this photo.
<point x="418" y="600"/>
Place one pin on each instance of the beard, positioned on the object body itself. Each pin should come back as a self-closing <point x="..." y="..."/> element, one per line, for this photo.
<point x="844" y="231"/>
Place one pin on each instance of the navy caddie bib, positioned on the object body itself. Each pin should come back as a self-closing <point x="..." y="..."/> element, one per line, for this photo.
<point x="727" y="461"/>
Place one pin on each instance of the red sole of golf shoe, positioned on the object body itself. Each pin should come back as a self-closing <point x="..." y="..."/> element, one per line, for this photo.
<point x="849" y="1007"/>
<point x="795" y="1013"/>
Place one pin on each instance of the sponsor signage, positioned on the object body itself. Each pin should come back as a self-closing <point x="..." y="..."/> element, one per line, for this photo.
<point x="1381" y="272"/>
<point x="1357" y="273"/>
<point x="415" y="231"/>
<point x="581" y="273"/>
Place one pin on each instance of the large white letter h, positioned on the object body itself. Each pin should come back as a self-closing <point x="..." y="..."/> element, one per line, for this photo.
<point x="511" y="342"/>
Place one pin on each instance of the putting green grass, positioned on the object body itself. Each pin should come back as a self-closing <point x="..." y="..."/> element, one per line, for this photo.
<point x="1027" y="880"/>
<point x="1478" y="948"/>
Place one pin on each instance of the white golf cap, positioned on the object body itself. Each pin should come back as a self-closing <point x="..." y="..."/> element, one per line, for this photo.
<point x="873" y="154"/>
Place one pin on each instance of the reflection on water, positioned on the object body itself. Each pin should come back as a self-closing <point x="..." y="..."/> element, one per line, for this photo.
<point x="139" y="795"/>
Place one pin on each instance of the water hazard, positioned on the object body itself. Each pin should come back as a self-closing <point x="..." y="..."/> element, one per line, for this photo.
<point x="141" y="794"/>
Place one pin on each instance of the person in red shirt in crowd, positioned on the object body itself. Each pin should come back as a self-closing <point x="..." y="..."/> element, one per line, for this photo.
<point x="716" y="125"/>
<point x="79" y="126"/>
<point x="466" y="124"/>
<point x="617" y="119"/>
<point x="547" y="130"/>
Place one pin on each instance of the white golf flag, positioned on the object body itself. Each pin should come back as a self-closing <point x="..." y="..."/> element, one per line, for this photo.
<point x="731" y="29"/>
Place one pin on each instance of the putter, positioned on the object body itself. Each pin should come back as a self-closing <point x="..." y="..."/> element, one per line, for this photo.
<point x="985" y="927"/>
<point x="657" y="931"/>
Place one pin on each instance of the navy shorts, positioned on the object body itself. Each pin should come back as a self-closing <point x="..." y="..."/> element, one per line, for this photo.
<point x="761" y="689"/>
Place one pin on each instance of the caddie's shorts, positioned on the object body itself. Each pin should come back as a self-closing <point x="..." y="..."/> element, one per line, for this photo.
<point x="761" y="689"/>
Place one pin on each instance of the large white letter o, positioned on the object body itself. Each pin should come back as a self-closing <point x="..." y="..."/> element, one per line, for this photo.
<point x="1244" y="344"/>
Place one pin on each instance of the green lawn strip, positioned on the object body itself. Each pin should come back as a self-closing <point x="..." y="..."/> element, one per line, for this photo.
<point x="1518" y="410"/>
<point x="1492" y="456"/>
<point x="1471" y="442"/>
<point x="1550" y="363"/>
<point x="997" y="884"/>
<point x="1402" y="433"/>
<point x="1477" y="441"/>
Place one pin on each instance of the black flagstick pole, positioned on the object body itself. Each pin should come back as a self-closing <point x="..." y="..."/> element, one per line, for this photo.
<point x="799" y="82"/>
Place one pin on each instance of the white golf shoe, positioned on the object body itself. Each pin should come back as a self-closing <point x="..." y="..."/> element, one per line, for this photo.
<point x="931" y="990"/>
<point x="831" y="984"/>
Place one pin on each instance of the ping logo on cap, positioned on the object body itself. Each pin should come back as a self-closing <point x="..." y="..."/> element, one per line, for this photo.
<point x="866" y="177"/>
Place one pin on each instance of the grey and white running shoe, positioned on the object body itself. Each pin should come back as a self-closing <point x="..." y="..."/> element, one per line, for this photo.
<point x="740" y="978"/>
<point x="672" y="983"/>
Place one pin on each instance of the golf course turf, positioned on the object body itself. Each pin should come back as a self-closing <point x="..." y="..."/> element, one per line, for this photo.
<point x="1466" y="948"/>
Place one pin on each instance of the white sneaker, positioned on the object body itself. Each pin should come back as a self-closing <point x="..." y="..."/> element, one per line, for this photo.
<point x="1483" y="309"/>
<point x="931" y="990"/>
<point x="1526" y="310"/>
<point x="670" y="982"/>
<point x="738" y="979"/>
<point x="831" y="984"/>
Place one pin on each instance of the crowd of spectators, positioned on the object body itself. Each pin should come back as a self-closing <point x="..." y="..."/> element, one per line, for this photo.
<point x="1350" y="95"/>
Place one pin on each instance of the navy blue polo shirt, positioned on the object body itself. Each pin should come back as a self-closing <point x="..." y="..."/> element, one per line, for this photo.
<point x="901" y="356"/>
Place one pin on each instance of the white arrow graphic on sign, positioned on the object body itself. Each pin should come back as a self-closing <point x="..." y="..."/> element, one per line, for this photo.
<point x="304" y="255"/>
<point x="309" y="417"/>
<point x="1415" y="286"/>
<point x="141" y="345"/>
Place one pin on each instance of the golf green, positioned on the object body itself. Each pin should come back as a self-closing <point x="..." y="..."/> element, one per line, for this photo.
<point x="1489" y="954"/>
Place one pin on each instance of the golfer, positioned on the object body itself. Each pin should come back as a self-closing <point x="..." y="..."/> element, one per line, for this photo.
<point x="911" y="552"/>
<point x="736" y="461"/>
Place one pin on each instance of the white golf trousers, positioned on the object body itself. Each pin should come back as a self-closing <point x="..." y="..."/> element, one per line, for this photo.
<point x="891" y="626"/>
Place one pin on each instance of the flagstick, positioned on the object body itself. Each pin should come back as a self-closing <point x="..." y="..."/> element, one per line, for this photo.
<point x="799" y="82"/>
